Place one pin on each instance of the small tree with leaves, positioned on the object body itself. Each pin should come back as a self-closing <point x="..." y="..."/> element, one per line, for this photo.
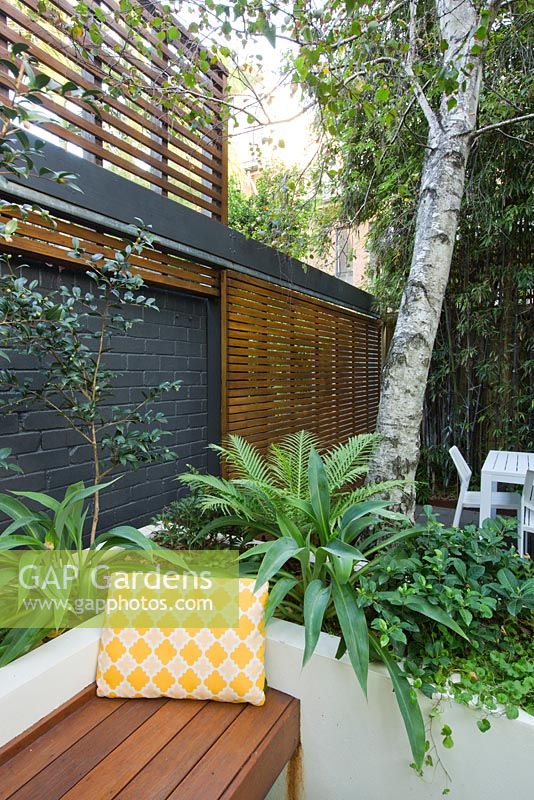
<point x="68" y="331"/>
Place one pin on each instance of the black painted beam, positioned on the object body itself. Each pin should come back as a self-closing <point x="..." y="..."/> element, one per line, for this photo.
<point x="123" y="200"/>
<point x="214" y="376"/>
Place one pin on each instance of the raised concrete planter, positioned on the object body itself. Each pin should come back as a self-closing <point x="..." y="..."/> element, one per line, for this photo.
<point x="356" y="749"/>
<point x="37" y="683"/>
<point x="351" y="748"/>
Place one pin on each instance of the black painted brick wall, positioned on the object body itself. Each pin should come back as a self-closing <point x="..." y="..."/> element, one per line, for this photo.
<point x="170" y="344"/>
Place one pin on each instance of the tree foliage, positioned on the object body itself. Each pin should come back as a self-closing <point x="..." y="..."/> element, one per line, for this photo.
<point x="479" y="391"/>
<point x="384" y="68"/>
<point x="280" y="212"/>
<point x="393" y="67"/>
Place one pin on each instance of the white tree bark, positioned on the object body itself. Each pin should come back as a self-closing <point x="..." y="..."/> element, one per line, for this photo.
<point x="405" y="372"/>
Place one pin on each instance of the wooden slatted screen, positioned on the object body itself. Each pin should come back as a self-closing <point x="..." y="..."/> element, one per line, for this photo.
<point x="134" y="133"/>
<point x="37" y="238"/>
<point x="293" y="362"/>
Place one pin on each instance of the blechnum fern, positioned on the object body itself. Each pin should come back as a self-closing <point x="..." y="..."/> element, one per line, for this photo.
<point x="263" y="485"/>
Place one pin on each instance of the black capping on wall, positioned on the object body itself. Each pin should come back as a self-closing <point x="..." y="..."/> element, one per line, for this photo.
<point x="123" y="200"/>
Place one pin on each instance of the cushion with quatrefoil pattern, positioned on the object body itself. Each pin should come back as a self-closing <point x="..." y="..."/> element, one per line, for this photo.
<point x="225" y="664"/>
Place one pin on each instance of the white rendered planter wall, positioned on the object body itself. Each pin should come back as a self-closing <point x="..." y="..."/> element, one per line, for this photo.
<point x="42" y="680"/>
<point x="351" y="748"/>
<point x="37" y="683"/>
<point x="356" y="749"/>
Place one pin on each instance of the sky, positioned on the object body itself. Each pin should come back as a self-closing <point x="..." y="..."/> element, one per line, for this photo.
<point x="290" y="138"/>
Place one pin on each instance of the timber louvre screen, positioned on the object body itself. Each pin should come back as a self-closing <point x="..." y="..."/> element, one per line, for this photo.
<point x="289" y="361"/>
<point x="37" y="238"/>
<point x="132" y="133"/>
<point x="292" y="362"/>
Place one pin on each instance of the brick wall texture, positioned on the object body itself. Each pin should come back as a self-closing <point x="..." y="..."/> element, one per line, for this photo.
<point x="170" y="344"/>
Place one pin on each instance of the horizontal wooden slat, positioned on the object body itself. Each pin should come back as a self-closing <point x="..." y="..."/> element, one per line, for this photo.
<point x="223" y="762"/>
<point x="159" y="749"/>
<point x="125" y="762"/>
<point x="77" y="760"/>
<point x="135" y="121"/>
<point x="19" y="769"/>
<point x="255" y="777"/>
<point x="292" y="362"/>
<point x="40" y="240"/>
<point x="157" y="781"/>
<point x="25" y="739"/>
<point x="179" y="150"/>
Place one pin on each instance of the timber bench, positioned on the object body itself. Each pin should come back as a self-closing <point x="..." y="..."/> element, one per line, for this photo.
<point x="94" y="748"/>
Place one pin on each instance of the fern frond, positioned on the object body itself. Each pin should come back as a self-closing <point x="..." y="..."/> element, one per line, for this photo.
<point x="227" y="506"/>
<point x="288" y="460"/>
<point x="216" y="490"/>
<point x="280" y="466"/>
<point x="349" y="461"/>
<point x="264" y="498"/>
<point x="372" y="490"/>
<point x="196" y="480"/>
<point x="244" y="458"/>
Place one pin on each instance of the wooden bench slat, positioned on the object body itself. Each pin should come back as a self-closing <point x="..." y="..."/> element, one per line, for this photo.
<point x="21" y="741"/>
<point x="164" y="773"/>
<point x="56" y="779"/>
<point x="24" y="765"/>
<point x="118" y="768"/>
<point x="217" y="769"/>
<point x="101" y="749"/>
<point x="255" y="778"/>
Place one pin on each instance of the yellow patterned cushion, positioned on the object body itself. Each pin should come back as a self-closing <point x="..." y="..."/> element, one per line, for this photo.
<point x="225" y="664"/>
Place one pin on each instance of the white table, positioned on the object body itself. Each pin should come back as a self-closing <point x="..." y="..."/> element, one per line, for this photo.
<point x="501" y="466"/>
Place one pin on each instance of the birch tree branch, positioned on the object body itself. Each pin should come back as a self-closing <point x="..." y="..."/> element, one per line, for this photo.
<point x="383" y="18"/>
<point x="421" y="97"/>
<point x="501" y="124"/>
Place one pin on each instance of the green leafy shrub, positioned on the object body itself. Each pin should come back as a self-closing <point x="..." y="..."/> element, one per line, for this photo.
<point x="499" y="678"/>
<point x="453" y="607"/>
<point x="324" y="535"/>
<point x="280" y="212"/>
<point x="182" y="526"/>
<point x="57" y="525"/>
<point x="473" y="574"/>
<point x="477" y="578"/>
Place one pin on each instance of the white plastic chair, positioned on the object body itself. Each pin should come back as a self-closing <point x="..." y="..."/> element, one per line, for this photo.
<point x="526" y="518"/>
<point x="467" y="499"/>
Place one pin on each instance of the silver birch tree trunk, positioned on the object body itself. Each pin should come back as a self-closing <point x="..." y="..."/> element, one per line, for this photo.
<point x="405" y="372"/>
